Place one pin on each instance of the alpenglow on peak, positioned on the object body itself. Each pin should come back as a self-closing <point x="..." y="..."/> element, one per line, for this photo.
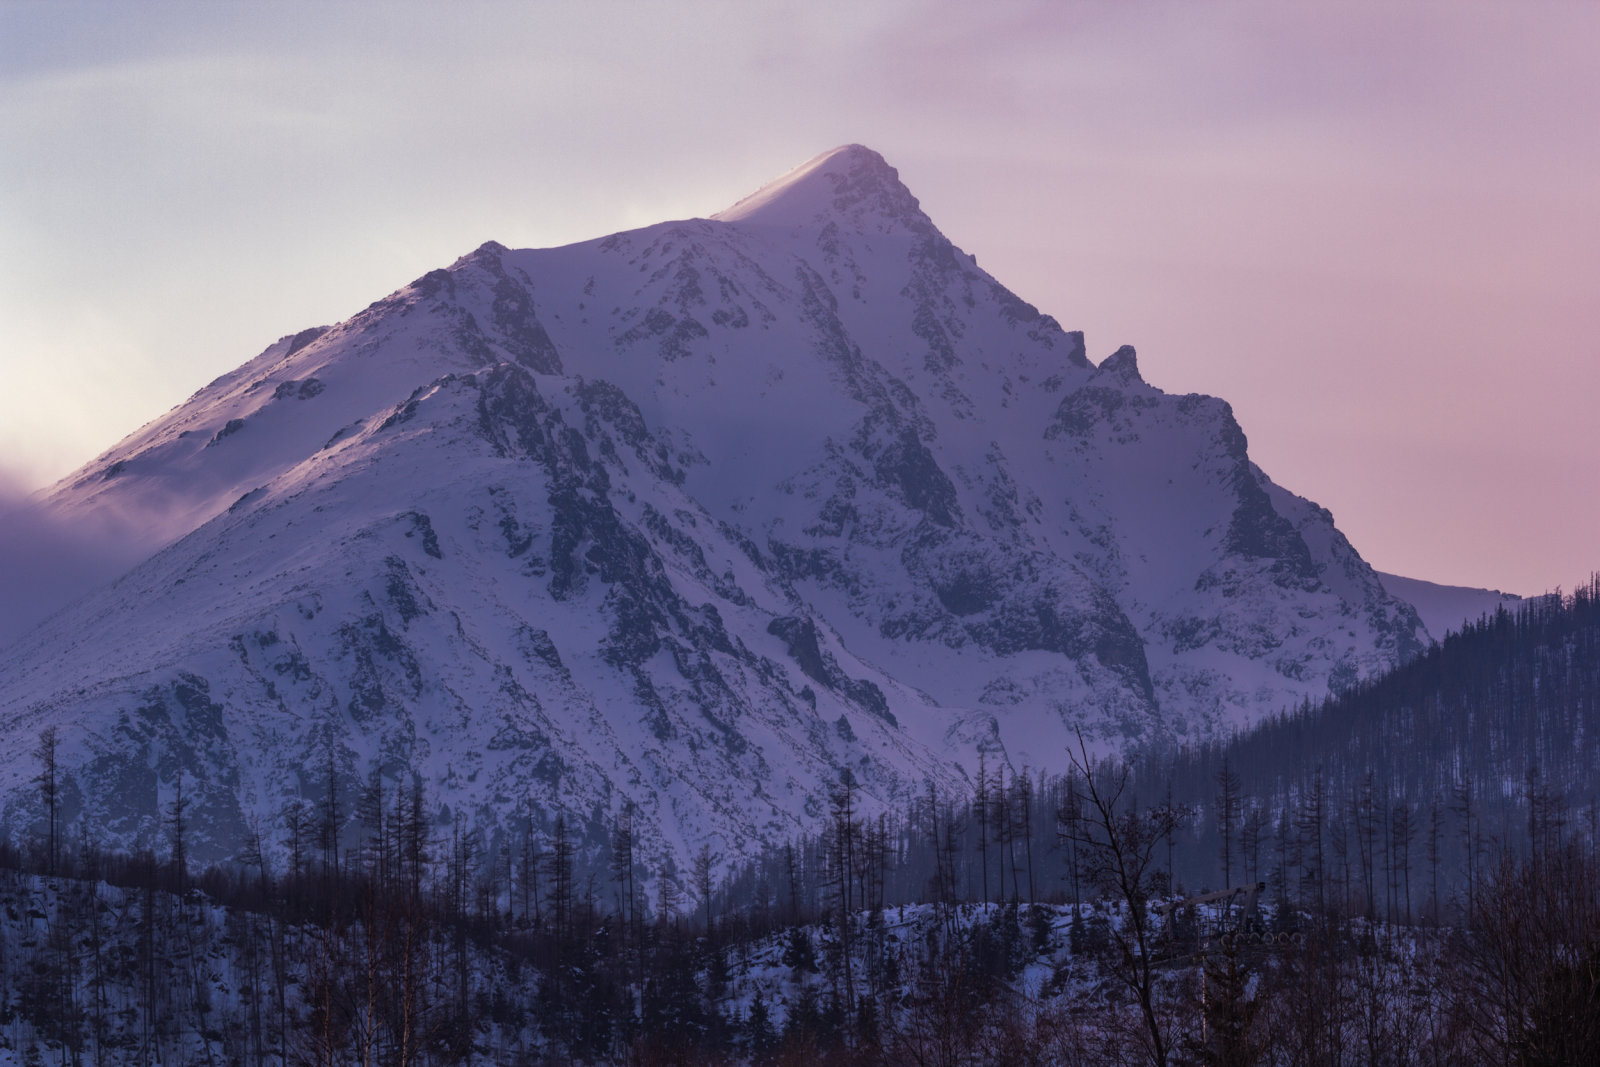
<point x="684" y="521"/>
<point x="848" y="182"/>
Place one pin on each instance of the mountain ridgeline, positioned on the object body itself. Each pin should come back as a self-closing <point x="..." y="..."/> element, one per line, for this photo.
<point x="685" y="521"/>
<point x="1494" y="732"/>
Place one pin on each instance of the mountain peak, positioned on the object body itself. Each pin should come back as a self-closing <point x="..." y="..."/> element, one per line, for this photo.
<point x="1123" y="363"/>
<point x="851" y="181"/>
<point x="818" y="499"/>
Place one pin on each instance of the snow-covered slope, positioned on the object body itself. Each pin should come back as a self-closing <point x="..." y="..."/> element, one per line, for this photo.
<point x="1446" y="608"/>
<point x="694" y="517"/>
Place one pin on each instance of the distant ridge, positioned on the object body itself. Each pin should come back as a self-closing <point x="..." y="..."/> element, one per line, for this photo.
<point x="1446" y="608"/>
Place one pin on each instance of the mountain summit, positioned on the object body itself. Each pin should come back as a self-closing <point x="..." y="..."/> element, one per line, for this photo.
<point x="693" y="519"/>
<point x="851" y="185"/>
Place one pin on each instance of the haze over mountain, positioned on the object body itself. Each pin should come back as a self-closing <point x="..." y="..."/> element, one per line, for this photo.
<point x="694" y="517"/>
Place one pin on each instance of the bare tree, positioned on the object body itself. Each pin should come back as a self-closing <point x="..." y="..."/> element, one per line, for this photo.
<point x="1527" y="972"/>
<point x="1313" y="861"/>
<point x="329" y="817"/>
<point x="1116" y="844"/>
<point x="980" y="811"/>
<point x="1250" y="831"/>
<point x="701" y="870"/>
<point x="1364" y="815"/>
<point x="1068" y="813"/>
<point x="1435" y="839"/>
<point x="1401" y="829"/>
<point x="1228" y="801"/>
<point x="1024" y="807"/>
<point x="1465" y="805"/>
<point x="50" y="794"/>
<point x="178" y="831"/>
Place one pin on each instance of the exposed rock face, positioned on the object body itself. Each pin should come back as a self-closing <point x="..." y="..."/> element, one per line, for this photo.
<point x="694" y="517"/>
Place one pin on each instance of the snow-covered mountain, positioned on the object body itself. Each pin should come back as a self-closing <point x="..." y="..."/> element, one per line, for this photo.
<point x="693" y="517"/>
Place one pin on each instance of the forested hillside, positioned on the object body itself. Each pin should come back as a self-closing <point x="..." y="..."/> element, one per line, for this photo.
<point x="1424" y="847"/>
<point x="1486" y="743"/>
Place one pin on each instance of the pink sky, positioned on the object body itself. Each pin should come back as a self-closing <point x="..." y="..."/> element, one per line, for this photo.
<point x="1376" y="232"/>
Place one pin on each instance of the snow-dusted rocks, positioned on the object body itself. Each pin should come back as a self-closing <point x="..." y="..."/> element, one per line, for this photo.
<point x="694" y="517"/>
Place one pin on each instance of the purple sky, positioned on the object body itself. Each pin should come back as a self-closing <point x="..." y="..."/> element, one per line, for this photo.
<point x="1375" y="229"/>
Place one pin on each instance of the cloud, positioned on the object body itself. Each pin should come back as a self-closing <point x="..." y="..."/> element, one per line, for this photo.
<point x="48" y="561"/>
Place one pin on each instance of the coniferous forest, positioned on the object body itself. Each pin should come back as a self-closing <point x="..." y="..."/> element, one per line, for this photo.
<point x="1406" y="873"/>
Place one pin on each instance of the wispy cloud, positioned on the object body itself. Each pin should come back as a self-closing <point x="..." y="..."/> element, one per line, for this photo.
<point x="48" y="561"/>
